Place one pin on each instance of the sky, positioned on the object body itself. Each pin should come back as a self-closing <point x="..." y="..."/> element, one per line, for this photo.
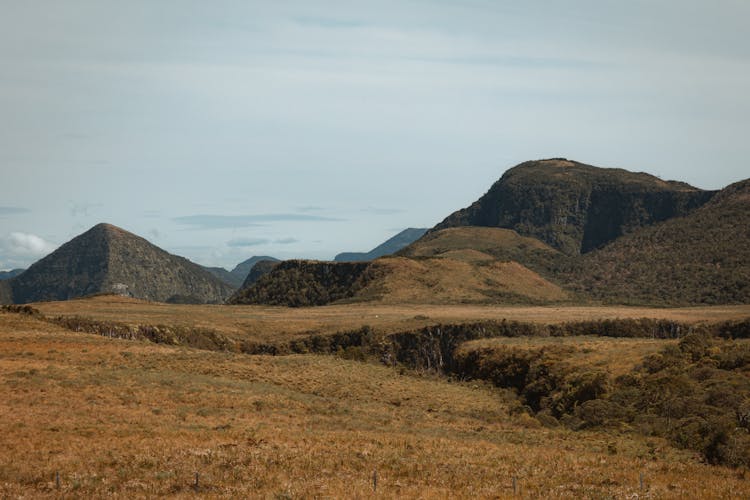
<point x="226" y="129"/>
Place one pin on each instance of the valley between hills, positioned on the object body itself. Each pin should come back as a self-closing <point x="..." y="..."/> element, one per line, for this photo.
<point x="575" y="332"/>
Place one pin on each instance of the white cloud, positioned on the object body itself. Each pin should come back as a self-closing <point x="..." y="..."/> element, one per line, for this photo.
<point x="22" y="249"/>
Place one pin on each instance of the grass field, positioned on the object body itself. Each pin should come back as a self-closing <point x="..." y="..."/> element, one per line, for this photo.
<point x="134" y="419"/>
<point x="616" y="356"/>
<point x="270" y="324"/>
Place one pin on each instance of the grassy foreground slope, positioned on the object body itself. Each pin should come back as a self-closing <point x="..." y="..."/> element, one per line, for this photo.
<point x="136" y="419"/>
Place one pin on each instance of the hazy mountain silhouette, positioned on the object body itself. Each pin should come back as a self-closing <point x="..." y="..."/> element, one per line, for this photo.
<point x="6" y="275"/>
<point x="391" y="246"/>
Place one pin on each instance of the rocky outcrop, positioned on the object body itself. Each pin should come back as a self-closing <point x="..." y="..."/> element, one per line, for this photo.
<point x="575" y="207"/>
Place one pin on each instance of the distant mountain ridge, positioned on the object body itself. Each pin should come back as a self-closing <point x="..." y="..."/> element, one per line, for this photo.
<point x="224" y="275"/>
<point x="576" y="207"/>
<point x="6" y="275"/>
<point x="242" y="269"/>
<point x="237" y="276"/>
<point x="108" y="259"/>
<point x="390" y="246"/>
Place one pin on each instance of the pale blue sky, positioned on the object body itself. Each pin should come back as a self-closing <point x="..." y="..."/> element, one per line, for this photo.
<point x="225" y="129"/>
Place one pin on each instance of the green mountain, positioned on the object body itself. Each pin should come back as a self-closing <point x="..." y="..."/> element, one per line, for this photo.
<point x="107" y="259"/>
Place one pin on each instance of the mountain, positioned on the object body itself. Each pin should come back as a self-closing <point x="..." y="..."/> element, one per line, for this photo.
<point x="236" y="277"/>
<point x="108" y="259"/>
<point x="389" y="247"/>
<point x="260" y="269"/>
<point x="702" y="258"/>
<point x="242" y="269"/>
<point x="6" y="292"/>
<point x="225" y="276"/>
<point x="574" y="207"/>
<point x="6" y="275"/>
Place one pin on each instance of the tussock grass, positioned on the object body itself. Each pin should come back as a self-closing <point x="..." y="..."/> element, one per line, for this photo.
<point x="133" y="419"/>
<point x="616" y="356"/>
<point x="264" y="324"/>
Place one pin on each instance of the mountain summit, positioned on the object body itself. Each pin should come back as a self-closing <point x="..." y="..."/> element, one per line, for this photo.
<point x="574" y="207"/>
<point x="108" y="259"/>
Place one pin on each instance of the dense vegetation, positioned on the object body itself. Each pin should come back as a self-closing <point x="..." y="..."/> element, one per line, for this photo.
<point x="298" y="283"/>
<point x="703" y="258"/>
<point x="695" y="393"/>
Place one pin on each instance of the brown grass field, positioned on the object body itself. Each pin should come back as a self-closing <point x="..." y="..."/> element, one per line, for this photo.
<point x="270" y="324"/>
<point x="616" y="356"/>
<point x="135" y="419"/>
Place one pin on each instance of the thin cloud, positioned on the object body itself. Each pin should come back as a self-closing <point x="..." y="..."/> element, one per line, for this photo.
<point x="203" y="221"/>
<point x="286" y="241"/>
<point x="247" y="242"/>
<point x="13" y="210"/>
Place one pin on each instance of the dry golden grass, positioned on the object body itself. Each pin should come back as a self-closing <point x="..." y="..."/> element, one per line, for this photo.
<point x="138" y="420"/>
<point x="481" y="239"/>
<point x="448" y="280"/>
<point x="271" y="324"/>
<point x="617" y="356"/>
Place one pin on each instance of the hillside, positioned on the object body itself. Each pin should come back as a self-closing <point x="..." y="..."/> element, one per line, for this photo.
<point x="574" y="207"/>
<point x="259" y="269"/>
<point x="465" y="278"/>
<point x="242" y="269"/>
<point x="107" y="259"/>
<point x="225" y="276"/>
<point x="702" y="258"/>
<point x="488" y="243"/>
<point x="6" y="292"/>
<point x="301" y="283"/>
<point x="468" y="277"/>
<point x="391" y="246"/>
